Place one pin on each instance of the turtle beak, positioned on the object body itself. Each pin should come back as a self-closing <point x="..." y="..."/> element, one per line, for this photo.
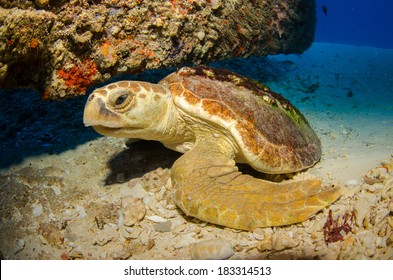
<point x="96" y="113"/>
<point x="91" y="113"/>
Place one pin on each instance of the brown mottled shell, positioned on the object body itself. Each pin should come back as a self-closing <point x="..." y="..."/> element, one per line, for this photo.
<point x="270" y="133"/>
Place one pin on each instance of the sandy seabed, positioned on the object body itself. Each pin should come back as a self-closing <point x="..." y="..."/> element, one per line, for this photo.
<point x="67" y="193"/>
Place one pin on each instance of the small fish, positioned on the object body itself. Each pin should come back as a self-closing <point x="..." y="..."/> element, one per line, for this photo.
<point x="324" y="10"/>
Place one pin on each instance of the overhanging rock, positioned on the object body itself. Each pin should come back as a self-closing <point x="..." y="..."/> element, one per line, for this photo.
<point x="63" y="47"/>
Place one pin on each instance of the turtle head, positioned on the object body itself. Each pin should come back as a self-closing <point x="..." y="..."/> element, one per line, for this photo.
<point x="128" y="109"/>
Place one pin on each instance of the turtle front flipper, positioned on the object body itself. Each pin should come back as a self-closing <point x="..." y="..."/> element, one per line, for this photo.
<point x="207" y="185"/>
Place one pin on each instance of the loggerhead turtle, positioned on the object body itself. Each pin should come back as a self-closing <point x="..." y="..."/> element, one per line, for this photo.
<point x="216" y="118"/>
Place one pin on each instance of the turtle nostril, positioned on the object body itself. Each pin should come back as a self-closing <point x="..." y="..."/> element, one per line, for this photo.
<point x="91" y="97"/>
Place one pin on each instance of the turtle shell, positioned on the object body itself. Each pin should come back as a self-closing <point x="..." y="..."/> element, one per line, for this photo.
<point x="269" y="133"/>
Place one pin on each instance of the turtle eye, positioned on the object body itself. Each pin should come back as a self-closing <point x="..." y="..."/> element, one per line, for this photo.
<point x="121" y="99"/>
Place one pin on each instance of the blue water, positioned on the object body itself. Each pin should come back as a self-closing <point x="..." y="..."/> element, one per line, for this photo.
<point x="356" y="22"/>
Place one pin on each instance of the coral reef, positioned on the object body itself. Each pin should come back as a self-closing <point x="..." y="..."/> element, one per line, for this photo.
<point x="63" y="47"/>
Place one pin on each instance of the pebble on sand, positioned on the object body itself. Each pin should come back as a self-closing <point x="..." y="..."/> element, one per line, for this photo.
<point x="133" y="210"/>
<point x="215" y="249"/>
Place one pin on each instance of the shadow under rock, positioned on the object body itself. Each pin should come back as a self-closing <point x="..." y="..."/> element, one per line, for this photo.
<point x="140" y="158"/>
<point x="30" y="126"/>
